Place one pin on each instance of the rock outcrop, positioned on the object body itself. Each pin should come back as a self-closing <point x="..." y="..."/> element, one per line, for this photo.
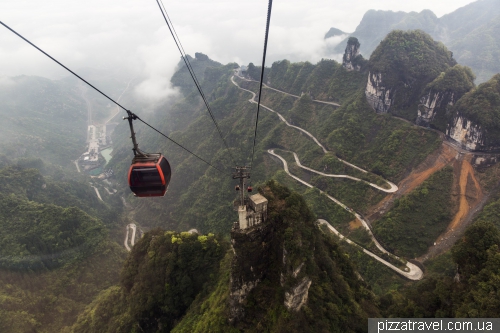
<point x="351" y="57"/>
<point x="297" y="296"/>
<point x="468" y="134"/>
<point x="430" y="103"/>
<point x="377" y="95"/>
<point x="474" y="122"/>
<point x="441" y="95"/>
<point x="252" y="248"/>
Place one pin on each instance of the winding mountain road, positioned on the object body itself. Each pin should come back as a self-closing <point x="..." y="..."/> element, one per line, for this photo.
<point x="393" y="187"/>
<point x="132" y="240"/>
<point x="412" y="271"/>
<point x="284" y="92"/>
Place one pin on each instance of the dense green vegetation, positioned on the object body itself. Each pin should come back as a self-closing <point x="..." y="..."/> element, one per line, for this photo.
<point x="55" y="251"/>
<point x="408" y="62"/>
<point x="169" y="274"/>
<point x="469" y="294"/>
<point x="338" y="300"/>
<point x="416" y="219"/>
<point x="327" y="80"/>
<point x="458" y="79"/>
<point x="36" y="236"/>
<point x="162" y="276"/>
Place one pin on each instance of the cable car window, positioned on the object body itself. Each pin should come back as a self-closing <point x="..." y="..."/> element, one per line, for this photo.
<point x="145" y="177"/>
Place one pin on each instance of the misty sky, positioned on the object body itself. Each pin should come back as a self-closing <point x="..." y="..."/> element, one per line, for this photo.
<point x="131" y="36"/>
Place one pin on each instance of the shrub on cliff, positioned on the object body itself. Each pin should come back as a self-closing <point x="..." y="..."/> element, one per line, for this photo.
<point x="482" y="106"/>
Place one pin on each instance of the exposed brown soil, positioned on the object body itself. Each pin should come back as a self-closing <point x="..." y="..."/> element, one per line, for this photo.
<point x="464" y="207"/>
<point x="433" y="163"/>
<point x="355" y="224"/>
<point x="471" y="199"/>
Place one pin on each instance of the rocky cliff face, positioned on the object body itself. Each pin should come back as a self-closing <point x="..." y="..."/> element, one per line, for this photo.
<point x="256" y="250"/>
<point x="475" y="118"/>
<point x="252" y="249"/>
<point x="431" y="103"/>
<point x="377" y="95"/>
<point x="468" y="134"/>
<point x="438" y="98"/>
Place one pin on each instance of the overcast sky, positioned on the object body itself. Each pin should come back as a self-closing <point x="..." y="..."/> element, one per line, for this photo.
<point x="131" y="36"/>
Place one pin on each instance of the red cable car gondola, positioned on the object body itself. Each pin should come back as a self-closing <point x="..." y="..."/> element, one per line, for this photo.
<point x="149" y="174"/>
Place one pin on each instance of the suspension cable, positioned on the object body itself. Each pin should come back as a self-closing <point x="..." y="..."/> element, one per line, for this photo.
<point x="112" y="100"/>
<point x="191" y="71"/>
<point x="145" y="123"/>
<point x="262" y="76"/>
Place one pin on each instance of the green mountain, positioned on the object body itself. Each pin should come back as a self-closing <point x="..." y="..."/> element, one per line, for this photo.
<point x="470" y="32"/>
<point x="365" y="172"/>
<point x="400" y="68"/>
<point x="179" y="281"/>
<point x="440" y="95"/>
<point x="54" y="249"/>
<point x="476" y="115"/>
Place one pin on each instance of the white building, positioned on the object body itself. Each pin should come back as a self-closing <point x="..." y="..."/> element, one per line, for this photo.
<point x="255" y="212"/>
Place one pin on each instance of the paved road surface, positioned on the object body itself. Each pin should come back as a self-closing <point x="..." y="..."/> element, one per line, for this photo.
<point x="393" y="188"/>
<point x="97" y="192"/>
<point x="284" y="92"/>
<point x="413" y="273"/>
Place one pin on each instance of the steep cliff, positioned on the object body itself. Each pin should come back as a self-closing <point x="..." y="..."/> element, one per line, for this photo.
<point x="441" y="94"/>
<point x="475" y="121"/>
<point x="400" y="68"/>
<point x="285" y="276"/>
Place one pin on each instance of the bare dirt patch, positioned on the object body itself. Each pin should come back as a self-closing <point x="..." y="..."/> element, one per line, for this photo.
<point x="433" y="163"/>
<point x="355" y="224"/>
<point x="471" y="198"/>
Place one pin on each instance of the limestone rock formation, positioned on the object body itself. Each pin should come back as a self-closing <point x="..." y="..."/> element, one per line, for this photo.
<point x="377" y="95"/>
<point x="297" y="296"/>
<point x="429" y="104"/>
<point x="468" y="134"/>
<point x="400" y="70"/>
<point x="251" y="248"/>
<point x="351" y="55"/>
<point x="474" y="122"/>
<point x="442" y="94"/>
